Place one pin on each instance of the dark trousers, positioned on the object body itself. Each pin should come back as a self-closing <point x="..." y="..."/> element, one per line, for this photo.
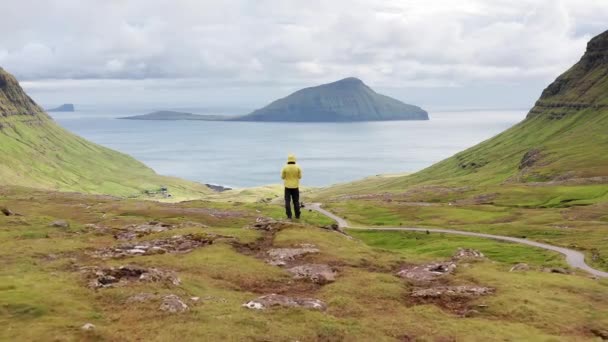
<point x="292" y="195"/>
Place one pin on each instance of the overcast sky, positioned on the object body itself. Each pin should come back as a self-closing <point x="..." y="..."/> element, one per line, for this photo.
<point x="239" y="53"/>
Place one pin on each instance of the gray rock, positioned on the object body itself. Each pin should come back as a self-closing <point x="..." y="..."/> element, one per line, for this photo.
<point x="317" y="273"/>
<point x="467" y="253"/>
<point x="280" y="256"/>
<point x="427" y="272"/>
<point x="60" y="224"/>
<point x="87" y="327"/>
<point x="276" y="300"/>
<point x="520" y="267"/>
<point x="173" y="304"/>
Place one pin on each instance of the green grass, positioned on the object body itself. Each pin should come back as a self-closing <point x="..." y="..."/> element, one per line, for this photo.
<point x="419" y="245"/>
<point x="44" y="297"/>
<point x="38" y="153"/>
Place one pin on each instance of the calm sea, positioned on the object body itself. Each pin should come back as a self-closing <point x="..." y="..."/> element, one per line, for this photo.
<point x="244" y="154"/>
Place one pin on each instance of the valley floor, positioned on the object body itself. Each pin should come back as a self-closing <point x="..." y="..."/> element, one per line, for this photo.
<point x="188" y="268"/>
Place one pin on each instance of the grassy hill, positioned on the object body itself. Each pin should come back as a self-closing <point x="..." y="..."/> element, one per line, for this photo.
<point x="36" y="152"/>
<point x="545" y="178"/>
<point x="562" y="139"/>
<point x="345" y="100"/>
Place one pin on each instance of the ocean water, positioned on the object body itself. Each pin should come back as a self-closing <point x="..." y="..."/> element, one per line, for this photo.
<point x="245" y="154"/>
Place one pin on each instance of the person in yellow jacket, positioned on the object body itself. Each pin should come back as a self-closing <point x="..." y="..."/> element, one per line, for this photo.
<point x="291" y="175"/>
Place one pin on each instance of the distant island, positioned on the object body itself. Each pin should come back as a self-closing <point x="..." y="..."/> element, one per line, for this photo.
<point x="66" y="107"/>
<point x="171" y="115"/>
<point x="342" y="101"/>
<point x="347" y="100"/>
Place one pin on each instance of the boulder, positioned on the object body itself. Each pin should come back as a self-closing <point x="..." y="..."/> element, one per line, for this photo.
<point x="7" y="211"/>
<point x="60" y="224"/>
<point x="276" y="300"/>
<point x="173" y="304"/>
<point x="317" y="273"/>
<point x="87" y="327"/>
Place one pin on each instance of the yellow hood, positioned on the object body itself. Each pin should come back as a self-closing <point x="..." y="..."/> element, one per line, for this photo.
<point x="291" y="158"/>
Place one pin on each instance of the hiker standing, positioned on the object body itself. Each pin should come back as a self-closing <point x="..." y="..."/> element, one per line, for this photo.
<point x="291" y="175"/>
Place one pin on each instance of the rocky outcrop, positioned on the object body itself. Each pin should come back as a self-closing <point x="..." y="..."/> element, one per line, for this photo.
<point x="134" y="231"/>
<point x="175" y="244"/>
<point x="117" y="276"/>
<point x="271" y="225"/>
<point x="281" y="256"/>
<point x="276" y="300"/>
<point x="173" y="304"/>
<point x="14" y="101"/>
<point x="317" y="273"/>
<point x="452" y="291"/>
<point x="530" y="158"/>
<point x="467" y="254"/>
<point x="581" y="87"/>
<point x="60" y="224"/>
<point x="427" y="272"/>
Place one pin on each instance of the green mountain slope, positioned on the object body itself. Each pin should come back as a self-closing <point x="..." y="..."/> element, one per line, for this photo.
<point x="545" y="178"/>
<point x="563" y="139"/>
<point x="345" y="100"/>
<point x="36" y="152"/>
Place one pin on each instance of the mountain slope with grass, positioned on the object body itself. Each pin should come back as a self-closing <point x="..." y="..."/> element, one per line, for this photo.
<point x="36" y="152"/>
<point x="342" y="101"/>
<point x="545" y="179"/>
<point x="563" y="139"/>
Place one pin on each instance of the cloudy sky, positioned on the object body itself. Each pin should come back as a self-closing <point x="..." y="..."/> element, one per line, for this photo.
<point x="239" y="53"/>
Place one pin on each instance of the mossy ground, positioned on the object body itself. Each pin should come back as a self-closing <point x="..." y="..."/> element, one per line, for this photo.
<point x="44" y="297"/>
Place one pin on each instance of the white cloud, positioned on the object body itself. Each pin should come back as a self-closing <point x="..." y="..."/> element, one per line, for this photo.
<point x="290" y="43"/>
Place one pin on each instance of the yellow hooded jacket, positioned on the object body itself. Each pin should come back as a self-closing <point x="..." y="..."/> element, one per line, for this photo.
<point x="291" y="173"/>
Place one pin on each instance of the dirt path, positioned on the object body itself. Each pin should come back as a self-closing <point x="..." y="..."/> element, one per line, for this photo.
<point x="573" y="258"/>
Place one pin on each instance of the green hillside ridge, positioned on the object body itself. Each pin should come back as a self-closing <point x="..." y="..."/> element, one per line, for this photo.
<point x="342" y="101"/>
<point x="562" y="139"/>
<point x="36" y="152"/>
<point x="545" y="178"/>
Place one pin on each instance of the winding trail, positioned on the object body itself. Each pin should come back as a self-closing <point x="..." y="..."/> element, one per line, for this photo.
<point x="573" y="258"/>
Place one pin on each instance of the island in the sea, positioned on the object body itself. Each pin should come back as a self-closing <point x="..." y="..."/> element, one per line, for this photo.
<point x="346" y="100"/>
<point x="66" y="107"/>
<point x="172" y="115"/>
